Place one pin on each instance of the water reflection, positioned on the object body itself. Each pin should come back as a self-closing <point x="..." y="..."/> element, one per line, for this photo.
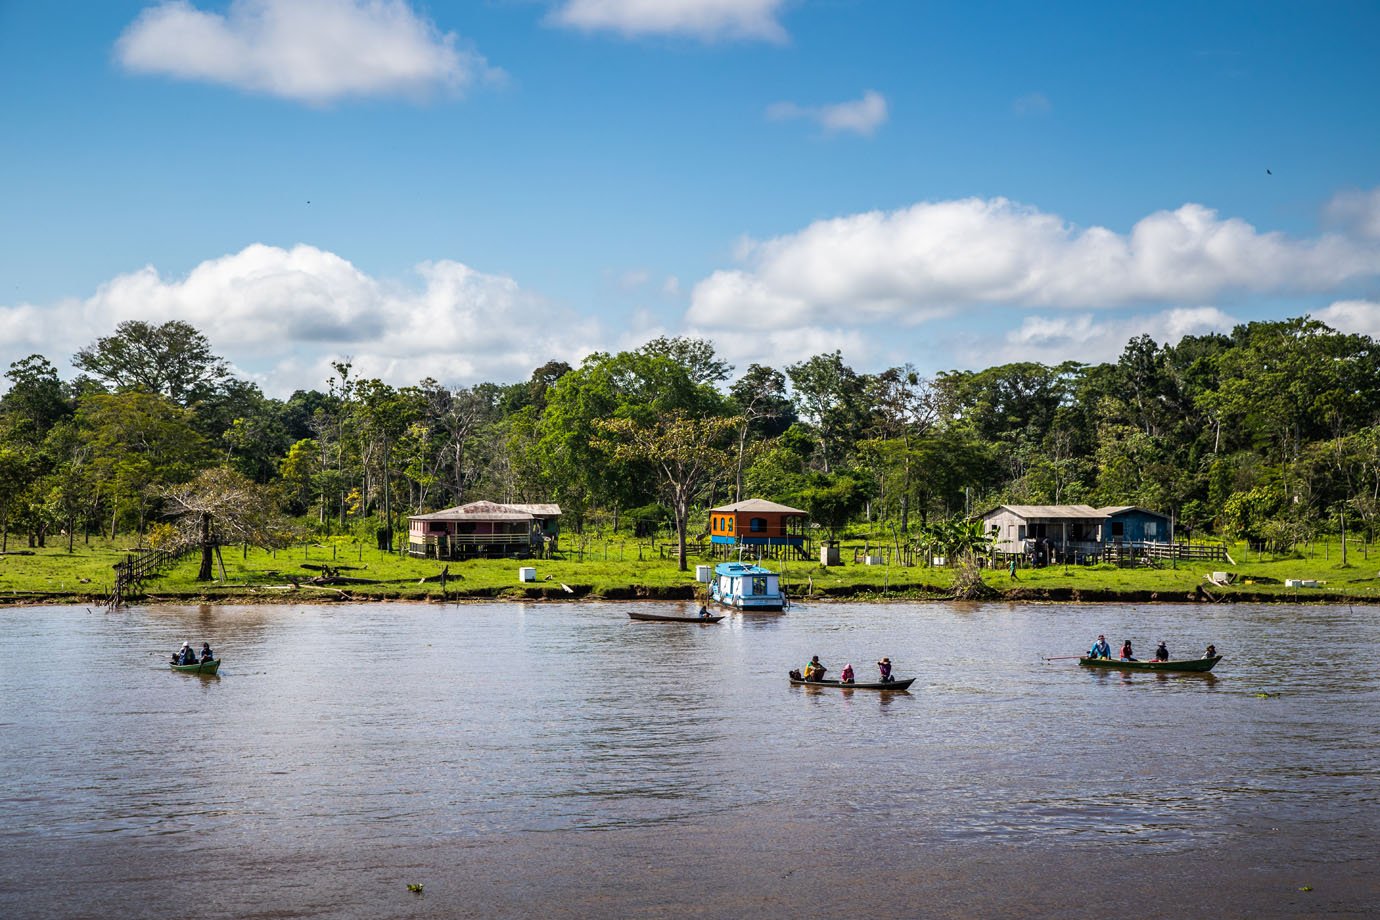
<point x="410" y="722"/>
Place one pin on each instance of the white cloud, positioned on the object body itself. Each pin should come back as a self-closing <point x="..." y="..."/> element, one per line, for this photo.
<point x="282" y="315"/>
<point x="1356" y="210"/>
<point x="313" y="51"/>
<point x="744" y="344"/>
<point x="913" y="264"/>
<point x="861" y="116"/>
<point x="1352" y="316"/>
<point x="1087" y="338"/>
<point x="708" y="20"/>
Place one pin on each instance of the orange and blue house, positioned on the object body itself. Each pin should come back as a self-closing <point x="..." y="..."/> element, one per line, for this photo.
<point x="765" y="526"/>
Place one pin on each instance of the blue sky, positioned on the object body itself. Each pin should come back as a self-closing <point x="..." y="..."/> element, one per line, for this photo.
<point x="467" y="190"/>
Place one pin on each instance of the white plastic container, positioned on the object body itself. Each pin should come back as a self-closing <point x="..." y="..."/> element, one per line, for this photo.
<point x="527" y="573"/>
<point x="704" y="574"/>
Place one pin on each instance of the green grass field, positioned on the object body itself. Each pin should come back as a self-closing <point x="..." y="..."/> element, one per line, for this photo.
<point x="631" y="569"/>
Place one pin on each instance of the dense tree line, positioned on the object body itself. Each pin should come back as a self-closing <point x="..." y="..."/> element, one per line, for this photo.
<point x="1268" y="433"/>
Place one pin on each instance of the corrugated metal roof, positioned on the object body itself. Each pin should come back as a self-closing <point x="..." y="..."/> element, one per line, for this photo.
<point x="1118" y="509"/>
<point x="1051" y="511"/>
<point x="538" y="510"/>
<point x="757" y="504"/>
<point x="482" y="511"/>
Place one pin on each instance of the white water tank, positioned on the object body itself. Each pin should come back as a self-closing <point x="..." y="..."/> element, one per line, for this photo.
<point x="704" y="574"/>
<point x="527" y="573"/>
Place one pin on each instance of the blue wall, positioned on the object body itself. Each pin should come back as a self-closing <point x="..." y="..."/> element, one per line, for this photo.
<point x="1134" y="527"/>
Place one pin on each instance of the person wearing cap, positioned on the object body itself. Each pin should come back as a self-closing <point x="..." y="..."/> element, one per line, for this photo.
<point x="1100" y="648"/>
<point x="1162" y="653"/>
<point x="1211" y="652"/>
<point x="185" y="655"/>
<point x="884" y="666"/>
<point x="814" y="670"/>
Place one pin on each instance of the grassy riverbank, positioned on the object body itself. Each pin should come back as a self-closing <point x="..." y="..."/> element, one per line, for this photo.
<point x="631" y="570"/>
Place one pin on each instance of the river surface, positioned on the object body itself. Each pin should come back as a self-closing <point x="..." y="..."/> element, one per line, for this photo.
<point x="560" y="760"/>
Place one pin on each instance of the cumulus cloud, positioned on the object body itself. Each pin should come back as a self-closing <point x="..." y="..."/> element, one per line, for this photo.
<point x="919" y="262"/>
<point x="282" y="315"/>
<point x="1353" y="316"/>
<point x="313" y="51"/>
<point x="1357" y="211"/>
<point x="861" y="116"/>
<point x="707" y="20"/>
<point x="1091" y="339"/>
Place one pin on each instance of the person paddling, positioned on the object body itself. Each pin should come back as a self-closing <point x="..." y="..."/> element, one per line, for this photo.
<point x="884" y="666"/>
<point x="1211" y="652"/>
<point x="1100" y="648"/>
<point x="206" y="654"/>
<point x="1162" y="653"/>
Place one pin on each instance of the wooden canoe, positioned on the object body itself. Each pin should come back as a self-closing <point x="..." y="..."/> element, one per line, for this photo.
<point x="657" y="618"/>
<point x="856" y="685"/>
<point x="1187" y="664"/>
<point x="206" y="667"/>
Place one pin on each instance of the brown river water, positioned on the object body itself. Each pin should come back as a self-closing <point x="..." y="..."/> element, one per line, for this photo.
<point x="560" y="760"/>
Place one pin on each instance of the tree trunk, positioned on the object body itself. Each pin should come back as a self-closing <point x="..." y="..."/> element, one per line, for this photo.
<point x="682" y="517"/>
<point x="205" y="573"/>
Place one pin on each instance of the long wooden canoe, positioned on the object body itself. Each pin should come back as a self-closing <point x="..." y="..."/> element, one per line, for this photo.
<point x="658" y="618"/>
<point x="1186" y="664"/>
<point x="205" y="667"/>
<point x="856" y="685"/>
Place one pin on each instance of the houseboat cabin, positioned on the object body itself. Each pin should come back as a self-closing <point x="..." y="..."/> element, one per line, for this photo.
<point x="485" y="529"/>
<point x="747" y="587"/>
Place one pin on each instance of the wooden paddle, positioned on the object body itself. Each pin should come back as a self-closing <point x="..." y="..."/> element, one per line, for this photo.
<point x="1063" y="657"/>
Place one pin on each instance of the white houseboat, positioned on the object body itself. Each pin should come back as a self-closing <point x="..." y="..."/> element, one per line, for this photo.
<point x="747" y="587"/>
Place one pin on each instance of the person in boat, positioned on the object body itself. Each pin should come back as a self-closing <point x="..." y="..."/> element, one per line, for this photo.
<point x="1211" y="652"/>
<point x="704" y="612"/>
<point x="185" y="655"/>
<point x="814" y="670"/>
<point x="1126" y="654"/>
<point x="846" y="675"/>
<point x="884" y="668"/>
<point x="1162" y="652"/>
<point x="1100" y="648"/>
<point x="206" y="654"/>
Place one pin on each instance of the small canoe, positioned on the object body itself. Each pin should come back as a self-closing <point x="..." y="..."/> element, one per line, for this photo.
<point x="657" y="618"/>
<point x="1187" y="664"/>
<point x="207" y="667"/>
<point x="856" y="685"/>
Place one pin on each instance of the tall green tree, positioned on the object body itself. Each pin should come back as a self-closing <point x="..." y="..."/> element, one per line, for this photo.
<point x="172" y="359"/>
<point x="686" y="452"/>
<point x="140" y="442"/>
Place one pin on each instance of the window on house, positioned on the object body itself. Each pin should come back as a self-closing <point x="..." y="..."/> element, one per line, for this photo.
<point x="758" y="525"/>
<point x="1020" y="532"/>
<point x="1118" y="529"/>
